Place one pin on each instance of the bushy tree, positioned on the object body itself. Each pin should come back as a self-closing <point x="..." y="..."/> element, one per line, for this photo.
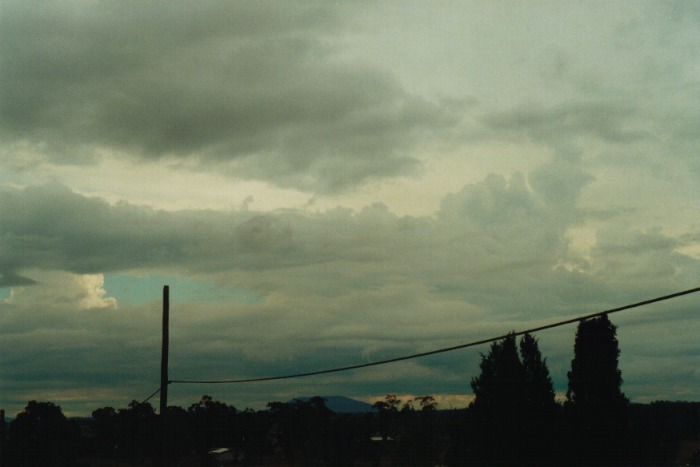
<point x="388" y="410"/>
<point x="213" y="424"/>
<point x="137" y="430"/>
<point x="303" y="429"/>
<point x="390" y="404"/>
<point x="42" y="435"/>
<point x="426" y="403"/>
<point x="105" y="429"/>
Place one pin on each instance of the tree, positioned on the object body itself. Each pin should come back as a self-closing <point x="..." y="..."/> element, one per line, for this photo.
<point x="514" y="402"/>
<point x="42" y="435"/>
<point x="595" y="380"/>
<point x="105" y="429"/>
<point x="387" y="415"/>
<point x="136" y="427"/>
<point x="498" y="403"/>
<point x="595" y="401"/>
<point x="138" y="410"/>
<point x="539" y="391"/>
<point x="500" y="384"/>
<point x="302" y="429"/>
<point x="390" y="404"/>
<point x="427" y="403"/>
<point x="213" y="424"/>
<point x="538" y="422"/>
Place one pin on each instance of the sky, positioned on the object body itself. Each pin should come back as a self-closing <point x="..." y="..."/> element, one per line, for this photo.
<point x="326" y="184"/>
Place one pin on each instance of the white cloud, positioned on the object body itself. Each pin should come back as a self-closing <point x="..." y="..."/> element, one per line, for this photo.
<point x="79" y="291"/>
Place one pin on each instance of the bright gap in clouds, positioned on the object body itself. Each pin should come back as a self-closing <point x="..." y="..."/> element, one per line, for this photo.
<point x="137" y="290"/>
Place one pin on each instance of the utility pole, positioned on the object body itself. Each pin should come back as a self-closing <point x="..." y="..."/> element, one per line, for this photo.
<point x="164" y="352"/>
<point x="2" y="436"/>
<point x="164" y="442"/>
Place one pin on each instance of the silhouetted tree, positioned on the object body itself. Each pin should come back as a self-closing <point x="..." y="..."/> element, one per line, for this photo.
<point x="514" y="404"/>
<point x="595" y="380"/>
<point x="387" y="414"/>
<point x="311" y="419"/>
<point x="418" y="440"/>
<point x="390" y="404"/>
<point x="42" y="435"/>
<point x="302" y="430"/>
<point x="498" y="404"/>
<point x="213" y="424"/>
<point x="502" y="379"/>
<point x="539" y="416"/>
<point x="175" y="427"/>
<point x="408" y="406"/>
<point x="105" y="430"/>
<point x="427" y="403"/>
<point x="595" y="400"/>
<point x="137" y="431"/>
<point x="538" y="388"/>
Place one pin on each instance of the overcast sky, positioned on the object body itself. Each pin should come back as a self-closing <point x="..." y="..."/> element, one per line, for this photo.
<point x="325" y="184"/>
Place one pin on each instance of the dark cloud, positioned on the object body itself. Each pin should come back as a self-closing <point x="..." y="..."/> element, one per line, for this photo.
<point x="254" y="89"/>
<point x="12" y="279"/>
<point x="51" y="227"/>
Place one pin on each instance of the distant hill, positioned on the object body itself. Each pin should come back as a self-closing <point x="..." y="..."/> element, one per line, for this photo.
<point x="342" y="404"/>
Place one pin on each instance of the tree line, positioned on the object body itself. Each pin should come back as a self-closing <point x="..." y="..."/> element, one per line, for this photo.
<point x="515" y="419"/>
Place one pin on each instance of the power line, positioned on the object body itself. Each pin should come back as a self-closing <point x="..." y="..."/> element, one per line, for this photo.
<point x="154" y="393"/>
<point x="443" y="350"/>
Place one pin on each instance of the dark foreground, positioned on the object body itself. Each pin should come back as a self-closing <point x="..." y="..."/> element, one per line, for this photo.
<point x="308" y="433"/>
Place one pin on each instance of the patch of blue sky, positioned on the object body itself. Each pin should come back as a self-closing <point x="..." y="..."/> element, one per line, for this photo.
<point x="136" y="289"/>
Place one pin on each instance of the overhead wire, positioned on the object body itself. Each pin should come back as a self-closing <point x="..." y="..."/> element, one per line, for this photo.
<point x="442" y="350"/>
<point x="149" y="397"/>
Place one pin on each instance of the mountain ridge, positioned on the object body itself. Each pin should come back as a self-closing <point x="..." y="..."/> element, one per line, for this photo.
<point x="341" y="404"/>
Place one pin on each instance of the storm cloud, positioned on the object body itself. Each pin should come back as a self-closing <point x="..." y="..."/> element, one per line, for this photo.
<point x="256" y="90"/>
<point x="331" y="183"/>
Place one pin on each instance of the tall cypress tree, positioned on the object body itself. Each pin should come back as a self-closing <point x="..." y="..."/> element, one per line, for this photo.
<point x="595" y="380"/>
<point x="502" y="377"/>
<point x="596" y="404"/>
<point x="497" y="407"/>
<point x="539" y="391"/>
<point x="539" y="415"/>
<point x="514" y="404"/>
<point x="507" y="379"/>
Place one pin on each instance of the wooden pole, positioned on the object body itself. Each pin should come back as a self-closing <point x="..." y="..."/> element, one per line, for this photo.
<point x="2" y="435"/>
<point x="165" y="455"/>
<point x="164" y="353"/>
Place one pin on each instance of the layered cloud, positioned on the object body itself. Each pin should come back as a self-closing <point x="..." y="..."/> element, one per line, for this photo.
<point x="255" y="90"/>
<point x="325" y="184"/>
<point x="337" y="288"/>
<point x="486" y="225"/>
